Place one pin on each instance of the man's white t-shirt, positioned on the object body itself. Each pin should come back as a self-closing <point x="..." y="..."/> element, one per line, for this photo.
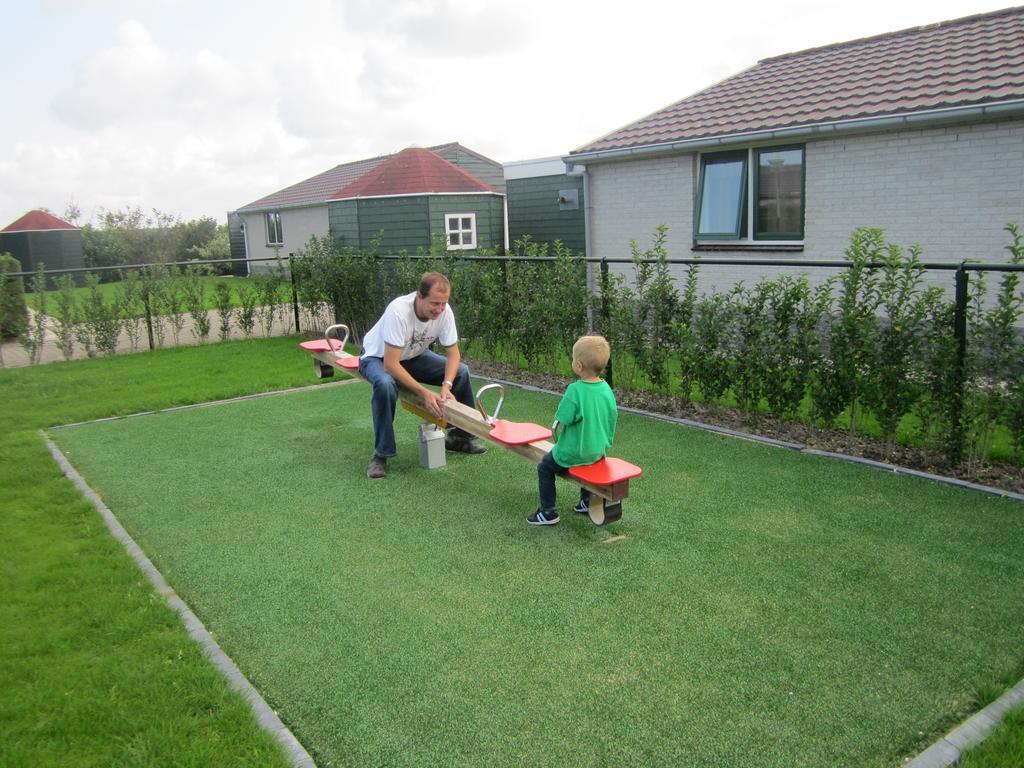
<point x="399" y="327"/>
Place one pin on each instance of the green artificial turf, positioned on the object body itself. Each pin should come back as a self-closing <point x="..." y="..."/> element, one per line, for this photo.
<point x="761" y="608"/>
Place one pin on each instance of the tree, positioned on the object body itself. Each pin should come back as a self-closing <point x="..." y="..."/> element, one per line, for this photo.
<point x="216" y="249"/>
<point x="147" y="239"/>
<point x="194" y="235"/>
<point x="102" y="248"/>
<point x="72" y="212"/>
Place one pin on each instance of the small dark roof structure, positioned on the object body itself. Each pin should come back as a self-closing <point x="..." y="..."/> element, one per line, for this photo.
<point x="975" y="60"/>
<point x="413" y="171"/>
<point x="320" y="188"/>
<point x="37" y="221"/>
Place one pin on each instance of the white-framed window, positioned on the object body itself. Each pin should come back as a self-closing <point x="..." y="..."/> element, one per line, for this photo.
<point x="751" y="195"/>
<point x="460" y="229"/>
<point x="275" y="235"/>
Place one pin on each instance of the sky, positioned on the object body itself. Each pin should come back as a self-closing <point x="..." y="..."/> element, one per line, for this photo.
<point x="197" y="107"/>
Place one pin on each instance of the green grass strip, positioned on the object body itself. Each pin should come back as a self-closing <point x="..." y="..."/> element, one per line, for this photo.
<point x="95" y="668"/>
<point x="1004" y="749"/>
<point x="764" y="608"/>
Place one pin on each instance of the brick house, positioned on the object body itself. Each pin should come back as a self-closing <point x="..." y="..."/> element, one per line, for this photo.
<point x="919" y="132"/>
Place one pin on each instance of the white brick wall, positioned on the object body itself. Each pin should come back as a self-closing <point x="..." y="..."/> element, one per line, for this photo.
<point x="297" y="226"/>
<point x="950" y="190"/>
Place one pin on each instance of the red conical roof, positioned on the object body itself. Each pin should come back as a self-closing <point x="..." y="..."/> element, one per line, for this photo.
<point x="33" y="221"/>
<point x="412" y="171"/>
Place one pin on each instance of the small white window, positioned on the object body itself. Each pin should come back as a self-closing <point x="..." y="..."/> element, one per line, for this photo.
<point x="461" y="230"/>
<point x="275" y="235"/>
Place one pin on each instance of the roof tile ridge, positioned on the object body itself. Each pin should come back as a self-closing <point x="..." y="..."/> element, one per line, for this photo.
<point x="465" y="149"/>
<point x="326" y="195"/>
<point x="921" y="29"/>
<point x="649" y="115"/>
<point x="424" y="173"/>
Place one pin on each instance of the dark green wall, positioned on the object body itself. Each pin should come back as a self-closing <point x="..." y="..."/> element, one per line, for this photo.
<point x="55" y="248"/>
<point x="403" y="221"/>
<point x="407" y="223"/>
<point x="343" y="222"/>
<point x="488" y="172"/>
<point x="533" y="210"/>
<point x="236" y="242"/>
<point x="490" y="216"/>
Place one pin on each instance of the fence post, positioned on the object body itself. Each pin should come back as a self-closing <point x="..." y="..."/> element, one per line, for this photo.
<point x="149" y="315"/>
<point x="959" y="364"/>
<point x="605" y="316"/>
<point x="295" y="292"/>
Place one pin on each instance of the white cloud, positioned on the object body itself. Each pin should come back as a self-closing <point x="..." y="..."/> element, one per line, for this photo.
<point x="198" y="106"/>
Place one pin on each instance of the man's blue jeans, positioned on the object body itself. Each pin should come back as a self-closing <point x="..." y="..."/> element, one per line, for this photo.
<point x="427" y="368"/>
<point x="547" y="468"/>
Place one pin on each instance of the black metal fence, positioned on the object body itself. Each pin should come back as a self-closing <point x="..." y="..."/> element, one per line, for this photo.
<point x="598" y="289"/>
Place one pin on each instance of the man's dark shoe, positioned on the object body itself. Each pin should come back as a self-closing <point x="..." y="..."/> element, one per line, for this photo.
<point x="581" y="508"/>
<point x="378" y="468"/>
<point x="462" y="445"/>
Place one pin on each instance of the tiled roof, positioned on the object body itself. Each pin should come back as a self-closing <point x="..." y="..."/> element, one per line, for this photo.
<point x="413" y="171"/>
<point x="33" y="221"/>
<point x="970" y="61"/>
<point x="320" y="188"/>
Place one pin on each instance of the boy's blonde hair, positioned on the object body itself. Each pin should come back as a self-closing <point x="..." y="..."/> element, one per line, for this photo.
<point x="592" y="352"/>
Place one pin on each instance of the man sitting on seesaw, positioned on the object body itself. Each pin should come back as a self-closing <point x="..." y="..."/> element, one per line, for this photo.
<point x="396" y="349"/>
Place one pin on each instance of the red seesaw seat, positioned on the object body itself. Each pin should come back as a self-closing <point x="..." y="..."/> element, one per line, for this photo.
<point x="612" y="473"/>
<point x="518" y="432"/>
<point x="606" y="471"/>
<point x="345" y="360"/>
<point x="508" y="432"/>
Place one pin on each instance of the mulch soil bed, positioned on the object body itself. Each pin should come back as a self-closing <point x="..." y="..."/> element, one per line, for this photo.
<point x="1008" y="477"/>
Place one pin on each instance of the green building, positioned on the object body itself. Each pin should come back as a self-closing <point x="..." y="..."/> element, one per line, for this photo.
<point x="545" y="203"/>
<point x="282" y="223"/>
<point x="38" y="238"/>
<point x="414" y="198"/>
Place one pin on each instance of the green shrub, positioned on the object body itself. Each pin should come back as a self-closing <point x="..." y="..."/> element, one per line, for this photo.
<point x="13" y="310"/>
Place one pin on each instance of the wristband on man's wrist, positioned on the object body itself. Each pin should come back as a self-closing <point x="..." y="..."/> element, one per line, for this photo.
<point x="447" y="382"/>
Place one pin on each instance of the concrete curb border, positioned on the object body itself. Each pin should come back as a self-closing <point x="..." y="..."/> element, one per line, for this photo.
<point x="949" y="749"/>
<point x="267" y="718"/>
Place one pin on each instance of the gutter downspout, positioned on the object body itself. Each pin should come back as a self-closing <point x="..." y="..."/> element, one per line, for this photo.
<point x="588" y="244"/>
<point x="504" y="211"/>
<point x="572" y="169"/>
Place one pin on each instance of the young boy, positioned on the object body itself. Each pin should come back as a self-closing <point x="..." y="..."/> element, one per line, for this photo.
<point x="587" y="415"/>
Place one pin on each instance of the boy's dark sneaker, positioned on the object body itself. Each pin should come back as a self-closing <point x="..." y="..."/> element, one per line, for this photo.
<point x="462" y="445"/>
<point x="378" y="467"/>
<point x="581" y="508"/>
<point x="543" y="518"/>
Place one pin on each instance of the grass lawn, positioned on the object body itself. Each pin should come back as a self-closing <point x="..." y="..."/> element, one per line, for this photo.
<point x="95" y="669"/>
<point x="110" y="292"/>
<point x="1004" y="749"/>
<point x="764" y="608"/>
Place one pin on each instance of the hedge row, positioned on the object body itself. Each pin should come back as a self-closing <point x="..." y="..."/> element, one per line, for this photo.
<point x="871" y="345"/>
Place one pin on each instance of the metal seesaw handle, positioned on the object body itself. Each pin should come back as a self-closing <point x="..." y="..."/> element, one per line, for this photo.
<point x="327" y="335"/>
<point x="480" y="404"/>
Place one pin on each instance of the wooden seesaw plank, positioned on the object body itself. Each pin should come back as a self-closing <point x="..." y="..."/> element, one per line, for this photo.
<point x="471" y="420"/>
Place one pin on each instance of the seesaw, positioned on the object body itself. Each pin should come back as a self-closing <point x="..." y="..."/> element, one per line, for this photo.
<point x="606" y="479"/>
<point x="330" y="352"/>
